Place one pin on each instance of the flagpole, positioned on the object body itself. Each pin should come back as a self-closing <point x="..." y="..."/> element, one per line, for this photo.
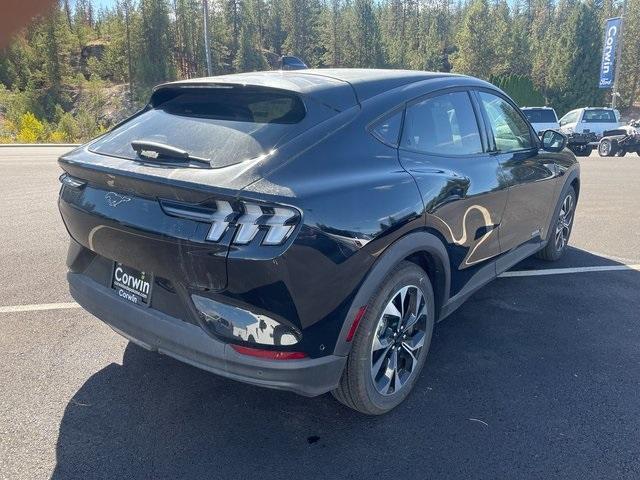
<point x="616" y="74"/>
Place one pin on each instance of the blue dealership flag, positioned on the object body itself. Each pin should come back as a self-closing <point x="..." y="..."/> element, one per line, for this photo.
<point x="607" y="68"/>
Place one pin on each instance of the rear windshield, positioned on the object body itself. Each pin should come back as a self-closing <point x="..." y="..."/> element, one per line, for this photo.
<point x="599" y="116"/>
<point x="222" y="125"/>
<point x="542" y="115"/>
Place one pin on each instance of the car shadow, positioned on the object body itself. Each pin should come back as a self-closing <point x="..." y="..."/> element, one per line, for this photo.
<point x="532" y="377"/>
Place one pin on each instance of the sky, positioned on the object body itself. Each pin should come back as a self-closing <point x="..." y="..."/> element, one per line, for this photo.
<point x="101" y="3"/>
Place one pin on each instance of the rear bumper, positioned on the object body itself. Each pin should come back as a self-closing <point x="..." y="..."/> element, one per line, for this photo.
<point x="188" y="343"/>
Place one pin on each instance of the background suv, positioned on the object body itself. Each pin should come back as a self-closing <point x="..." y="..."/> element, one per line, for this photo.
<point x="304" y="230"/>
<point x="541" y="118"/>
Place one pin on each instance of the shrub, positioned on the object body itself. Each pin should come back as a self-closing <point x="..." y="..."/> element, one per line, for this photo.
<point x="68" y="128"/>
<point x="31" y="129"/>
<point x="8" y="131"/>
<point x="521" y="89"/>
<point x="57" y="137"/>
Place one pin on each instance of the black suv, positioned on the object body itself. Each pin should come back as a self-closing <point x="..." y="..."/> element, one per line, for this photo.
<point x="304" y="230"/>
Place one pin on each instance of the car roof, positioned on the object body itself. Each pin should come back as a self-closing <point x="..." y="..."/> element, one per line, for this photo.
<point x="338" y="87"/>
<point x="536" y="108"/>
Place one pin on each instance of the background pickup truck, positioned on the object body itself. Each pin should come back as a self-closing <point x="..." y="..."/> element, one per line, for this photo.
<point x="585" y="127"/>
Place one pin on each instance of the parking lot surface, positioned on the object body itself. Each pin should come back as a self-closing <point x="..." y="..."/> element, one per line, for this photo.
<point x="536" y="376"/>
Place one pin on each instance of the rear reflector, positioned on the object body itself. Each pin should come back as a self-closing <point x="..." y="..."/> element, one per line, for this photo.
<point x="356" y="322"/>
<point x="268" y="354"/>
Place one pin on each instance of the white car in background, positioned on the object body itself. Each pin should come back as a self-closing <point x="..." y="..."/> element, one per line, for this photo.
<point x="590" y="120"/>
<point x="541" y="118"/>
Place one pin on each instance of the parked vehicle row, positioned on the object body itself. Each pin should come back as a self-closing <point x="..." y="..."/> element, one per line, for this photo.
<point x="589" y="128"/>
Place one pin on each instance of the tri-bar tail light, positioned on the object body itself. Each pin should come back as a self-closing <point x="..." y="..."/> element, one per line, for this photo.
<point x="245" y="217"/>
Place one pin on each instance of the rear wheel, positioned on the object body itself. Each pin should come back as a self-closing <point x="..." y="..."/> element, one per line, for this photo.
<point x="391" y="344"/>
<point x="561" y="228"/>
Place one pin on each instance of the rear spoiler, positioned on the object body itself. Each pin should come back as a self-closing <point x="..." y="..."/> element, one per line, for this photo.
<point x="338" y="95"/>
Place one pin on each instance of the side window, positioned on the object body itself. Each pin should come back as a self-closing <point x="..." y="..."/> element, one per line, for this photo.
<point x="510" y="130"/>
<point x="388" y="129"/>
<point x="445" y="125"/>
<point x="570" y="117"/>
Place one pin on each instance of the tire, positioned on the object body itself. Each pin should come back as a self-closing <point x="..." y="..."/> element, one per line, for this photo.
<point x="607" y="148"/>
<point x="621" y="152"/>
<point x="583" y="152"/>
<point x="358" y="388"/>
<point x="561" y="225"/>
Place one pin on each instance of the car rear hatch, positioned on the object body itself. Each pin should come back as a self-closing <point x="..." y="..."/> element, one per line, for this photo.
<point x="158" y="191"/>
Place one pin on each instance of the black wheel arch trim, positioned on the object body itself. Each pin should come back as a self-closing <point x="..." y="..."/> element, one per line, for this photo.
<point x="569" y="179"/>
<point x="416" y="242"/>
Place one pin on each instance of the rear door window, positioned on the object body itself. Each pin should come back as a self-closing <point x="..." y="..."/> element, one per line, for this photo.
<point x="222" y="125"/>
<point x="444" y="125"/>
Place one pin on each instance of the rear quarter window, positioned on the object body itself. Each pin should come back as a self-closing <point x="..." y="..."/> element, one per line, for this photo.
<point x="387" y="130"/>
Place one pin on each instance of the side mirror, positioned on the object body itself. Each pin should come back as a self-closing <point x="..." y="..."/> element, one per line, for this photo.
<point x="553" y="141"/>
<point x="288" y="62"/>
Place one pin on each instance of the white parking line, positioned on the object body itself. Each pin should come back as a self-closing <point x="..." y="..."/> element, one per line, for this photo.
<point x="517" y="273"/>
<point x="560" y="271"/>
<point x="38" y="307"/>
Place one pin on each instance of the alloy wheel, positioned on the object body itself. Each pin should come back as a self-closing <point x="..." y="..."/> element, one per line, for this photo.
<point x="398" y="340"/>
<point x="565" y="219"/>
<point x="604" y="149"/>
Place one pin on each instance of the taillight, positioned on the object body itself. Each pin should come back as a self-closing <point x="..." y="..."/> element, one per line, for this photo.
<point x="220" y="220"/>
<point x="280" y="226"/>
<point x="248" y="224"/>
<point x="247" y="218"/>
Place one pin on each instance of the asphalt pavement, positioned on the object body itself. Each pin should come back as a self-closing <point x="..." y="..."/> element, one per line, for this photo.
<point x="536" y="376"/>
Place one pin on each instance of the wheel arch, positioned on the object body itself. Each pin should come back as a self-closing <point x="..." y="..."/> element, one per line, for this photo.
<point x="572" y="180"/>
<point x="575" y="183"/>
<point x="419" y="247"/>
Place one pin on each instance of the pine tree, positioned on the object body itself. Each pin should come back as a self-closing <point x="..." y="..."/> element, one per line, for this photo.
<point x="500" y="39"/>
<point x="629" y="73"/>
<point x="572" y="76"/>
<point x="539" y="36"/>
<point x="431" y="50"/>
<point x="475" y="55"/>
<point x="249" y="56"/>
<point x="302" y="22"/>
<point x="276" y="34"/>
<point x="332" y="38"/>
<point x="155" y="47"/>
<point x="364" y="41"/>
<point x="231" y="23"/>
<point x="394" y="28"/>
